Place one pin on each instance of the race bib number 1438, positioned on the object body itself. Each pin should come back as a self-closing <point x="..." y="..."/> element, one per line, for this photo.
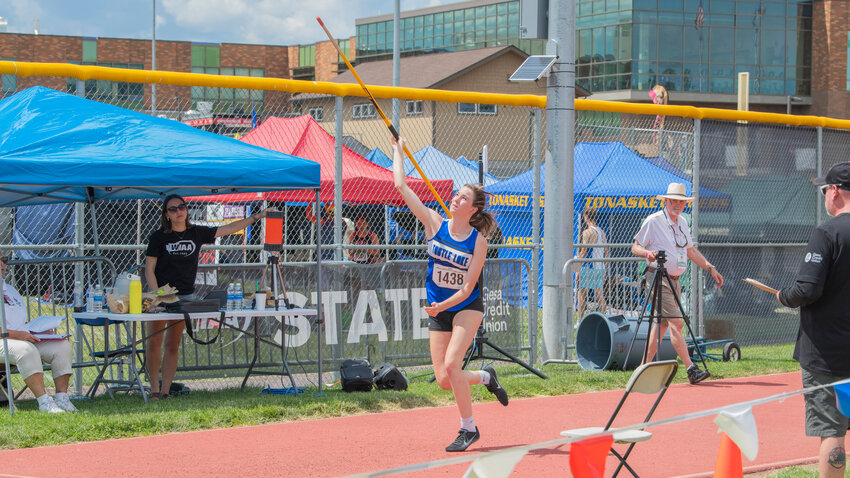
<point x="448" y="277"/>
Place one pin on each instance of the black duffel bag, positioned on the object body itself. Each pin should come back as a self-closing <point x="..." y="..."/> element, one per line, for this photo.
<point x="186" y="307"/>
<point x="356" y="375"/>
<point x="389" y="377"/>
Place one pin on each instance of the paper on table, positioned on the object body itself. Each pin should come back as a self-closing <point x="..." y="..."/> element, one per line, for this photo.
<point x="45" y="322"/>
<point x="760" y="285"/>
<point x="51" y="336"/>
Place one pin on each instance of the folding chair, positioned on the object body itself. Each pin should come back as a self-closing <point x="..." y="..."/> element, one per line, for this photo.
<point x="113" y="355"/>
<point x="650" y="378"/>
<point x="4" y="396"/>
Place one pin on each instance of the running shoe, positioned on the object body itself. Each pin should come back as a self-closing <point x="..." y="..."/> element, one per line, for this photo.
<point x="64" y="403"/>
<point x="49" y="406"/>
<point x="495" y="388"/>
<point x="696" y="375"/>
<point x="464" y="439"/>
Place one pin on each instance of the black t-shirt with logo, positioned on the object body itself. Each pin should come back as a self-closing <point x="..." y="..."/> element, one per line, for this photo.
<point x="822" y="291"/>
<point x="177" y="256"/>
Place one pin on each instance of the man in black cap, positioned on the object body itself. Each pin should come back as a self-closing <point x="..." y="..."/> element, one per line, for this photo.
<point x="821" y="291"/>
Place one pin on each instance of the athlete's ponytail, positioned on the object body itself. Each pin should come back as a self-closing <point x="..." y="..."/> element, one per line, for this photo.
<point x="482" y="220"/>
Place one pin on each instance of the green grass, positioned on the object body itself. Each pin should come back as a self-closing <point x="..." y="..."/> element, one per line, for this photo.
<point x="126" y="416"/>
<point x="795" y="472"/>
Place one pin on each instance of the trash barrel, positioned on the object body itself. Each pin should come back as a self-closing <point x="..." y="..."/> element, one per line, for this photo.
<point x="603" y="340"/>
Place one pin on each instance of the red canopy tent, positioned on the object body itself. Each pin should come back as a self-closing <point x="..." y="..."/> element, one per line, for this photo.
<point x="363" y="182"/>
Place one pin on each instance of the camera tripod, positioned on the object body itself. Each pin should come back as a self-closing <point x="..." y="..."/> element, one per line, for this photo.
<point x="476" y="352"/>
<point x="277" y="280"/>
<point x="653" y="303"/>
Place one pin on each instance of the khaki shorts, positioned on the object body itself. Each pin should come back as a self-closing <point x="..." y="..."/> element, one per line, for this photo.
<point x="28" y="356"/>
<point x="669" y="309"/>
<point x="823" y="419"/>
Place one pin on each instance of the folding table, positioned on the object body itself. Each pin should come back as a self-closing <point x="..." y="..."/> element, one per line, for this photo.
<point x="107" y="318"/>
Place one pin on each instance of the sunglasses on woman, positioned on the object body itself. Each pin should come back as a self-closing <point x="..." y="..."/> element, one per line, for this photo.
<point x="181" y="207"/>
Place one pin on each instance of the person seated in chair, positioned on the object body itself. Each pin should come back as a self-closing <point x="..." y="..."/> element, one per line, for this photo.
<point x="362" y="235"/>
<point x="28" y="352"/>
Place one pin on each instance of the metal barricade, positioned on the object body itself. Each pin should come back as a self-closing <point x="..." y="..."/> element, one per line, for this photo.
<point x="621" y="289"/>
<point x="48" y="287"/>
<point x="371" y="310"/>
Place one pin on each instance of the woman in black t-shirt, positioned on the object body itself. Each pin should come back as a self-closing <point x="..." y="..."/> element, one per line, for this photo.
<point x="172" y="258"/>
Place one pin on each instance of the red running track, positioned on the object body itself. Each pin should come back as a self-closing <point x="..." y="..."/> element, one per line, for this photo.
<point x="363" y="443"/>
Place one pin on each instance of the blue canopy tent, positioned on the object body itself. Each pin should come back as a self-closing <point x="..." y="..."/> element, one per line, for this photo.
<point x="469" y="164"/>
<point x="436" y="165"/>
<point x="61" y="148"/>
<point x="43" y="224"/>
<point x="618" y="182"/>
<point x="439" y="165"/>
<point x="58" y="148"/>
<point x="378" y="157"/>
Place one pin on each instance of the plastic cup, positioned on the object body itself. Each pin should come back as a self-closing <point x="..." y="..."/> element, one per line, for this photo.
<point x="260" y="301"/>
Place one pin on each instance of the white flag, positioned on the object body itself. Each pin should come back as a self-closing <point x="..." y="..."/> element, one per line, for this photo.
<point x="740" y="425"/>
<point x="496" y="465"/>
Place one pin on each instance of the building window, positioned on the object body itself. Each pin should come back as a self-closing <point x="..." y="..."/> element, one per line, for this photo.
<point x="306" y="55"/>
<point x="697" y="46"/>
<point x="305" y="70"/>
<point x="363" y="110"/>
<point x="476" y="109"/>
<point x="114" y="92"/>
<point x="318" y="113"/>
<point x="10" y="82"/>
<point x="206" y="55"/>
<point x="89" y="51"/>
<point x="206" y="59"/>
<point x="601" y="123"/>
<point x="227" y="95"/>
<point x="345" y="47"/>
<point x="414" y="107"/>
<point x="459" y="29"/>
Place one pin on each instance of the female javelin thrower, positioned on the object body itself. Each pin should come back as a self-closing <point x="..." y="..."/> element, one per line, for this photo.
<point x="457" y="248"/>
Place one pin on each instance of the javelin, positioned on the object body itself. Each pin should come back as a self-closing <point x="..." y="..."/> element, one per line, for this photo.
<point x="387" y="121"/>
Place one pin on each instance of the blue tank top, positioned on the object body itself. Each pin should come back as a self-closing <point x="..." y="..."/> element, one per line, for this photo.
<point x="448" y="262"/>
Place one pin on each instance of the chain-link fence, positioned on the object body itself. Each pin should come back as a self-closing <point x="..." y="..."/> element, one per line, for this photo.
<point x="754" y="212"/>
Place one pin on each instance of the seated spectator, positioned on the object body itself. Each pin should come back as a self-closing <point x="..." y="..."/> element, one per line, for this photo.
<point x="328" y="239"/>
<point x="27" y="352"/>
<point x="363" y="235"/>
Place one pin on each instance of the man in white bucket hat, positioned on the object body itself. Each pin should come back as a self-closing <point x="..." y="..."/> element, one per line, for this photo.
<point x="666" y="230"/>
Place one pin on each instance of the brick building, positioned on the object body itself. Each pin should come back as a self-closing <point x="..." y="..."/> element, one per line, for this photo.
<point x="830" y="54"/>
<point x="217" y="59"/>
<point x="796" y="52"/>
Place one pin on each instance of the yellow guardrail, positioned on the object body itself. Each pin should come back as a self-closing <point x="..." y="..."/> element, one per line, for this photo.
<point x="85" y="72"/>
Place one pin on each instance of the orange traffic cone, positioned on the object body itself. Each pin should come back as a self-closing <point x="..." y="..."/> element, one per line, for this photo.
<point x="729" y="464"/>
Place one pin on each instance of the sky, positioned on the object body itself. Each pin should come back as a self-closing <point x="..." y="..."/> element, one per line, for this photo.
<point x="267" y="22"/>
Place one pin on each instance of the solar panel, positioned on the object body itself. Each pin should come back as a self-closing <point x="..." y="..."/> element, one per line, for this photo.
<point x="533" y="68"/>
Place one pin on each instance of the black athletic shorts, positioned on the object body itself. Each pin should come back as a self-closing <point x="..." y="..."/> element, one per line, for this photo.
<point x="443" y="321"/>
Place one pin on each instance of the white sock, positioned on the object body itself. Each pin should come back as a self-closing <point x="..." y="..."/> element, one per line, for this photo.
<point x="42" y="399"/>
<point x="485" y="377"/>
<point x="468" y="424"/>
<point x="60" y="395"/>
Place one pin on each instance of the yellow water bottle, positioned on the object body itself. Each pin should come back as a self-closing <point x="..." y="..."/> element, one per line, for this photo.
<point x="135" y="294"/>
